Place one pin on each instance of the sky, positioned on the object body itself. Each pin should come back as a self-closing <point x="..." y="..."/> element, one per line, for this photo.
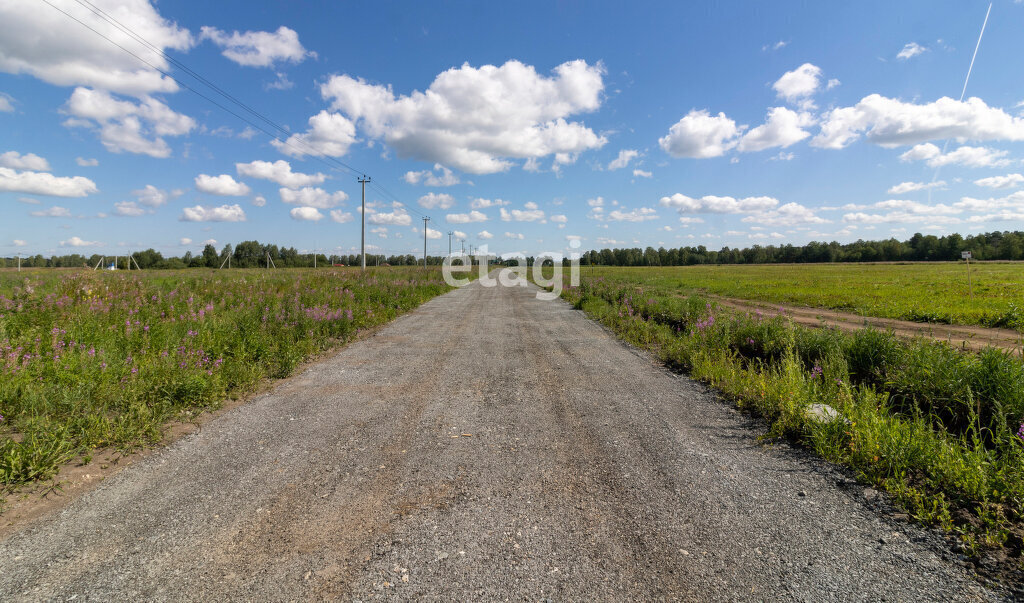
<point x="523" y="127"/>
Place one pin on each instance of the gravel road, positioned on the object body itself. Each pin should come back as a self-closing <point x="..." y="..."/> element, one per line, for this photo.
<point x="486" y="446"/>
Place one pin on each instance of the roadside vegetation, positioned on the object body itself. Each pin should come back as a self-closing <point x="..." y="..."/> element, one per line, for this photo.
<point x="922" y="292"/>
<point x="939" y="429"/>
<point x="90" y="360"/>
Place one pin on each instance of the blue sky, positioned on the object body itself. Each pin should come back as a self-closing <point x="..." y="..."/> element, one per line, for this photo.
<point x="521" y="126"/>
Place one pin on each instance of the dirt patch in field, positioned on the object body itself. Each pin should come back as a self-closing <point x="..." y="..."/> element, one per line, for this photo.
<point x="961" y="336"/>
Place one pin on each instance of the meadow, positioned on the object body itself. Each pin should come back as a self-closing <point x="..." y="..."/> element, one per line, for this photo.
<point x="920" y="291"/>
<point x="940" y="429"/>
<point x="91" y="360"/>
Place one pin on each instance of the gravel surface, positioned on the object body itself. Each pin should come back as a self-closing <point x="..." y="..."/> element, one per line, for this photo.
<point x="486" y="446"/>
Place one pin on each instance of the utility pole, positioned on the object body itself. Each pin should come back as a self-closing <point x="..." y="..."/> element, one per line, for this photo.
<point x="362" y="218"/>
<point x="425" y="220"/>
<point x="463" y="241"/>
<point x="19" y="262"/>
<point x="450" y="233"/>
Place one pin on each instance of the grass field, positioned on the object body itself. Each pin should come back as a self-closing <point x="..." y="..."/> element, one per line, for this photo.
<point x="93" y="359"/>
<point x="924" y="292"/>
<point x="940" y="429"/>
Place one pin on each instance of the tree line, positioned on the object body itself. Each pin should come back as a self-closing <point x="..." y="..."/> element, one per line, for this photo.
<point x="1005" y="245"/>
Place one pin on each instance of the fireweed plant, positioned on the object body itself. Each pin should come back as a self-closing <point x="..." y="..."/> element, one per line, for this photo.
<point x="939" y="429"/>
<point x="92" y="360"/>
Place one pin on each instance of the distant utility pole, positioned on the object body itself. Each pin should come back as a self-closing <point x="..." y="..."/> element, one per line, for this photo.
<point x="425" y="220"/>
<point x="450" y="233"/>
<point x="362" y="217"/>
<point x="463" y="241"/>
<point x="19" y="262"/>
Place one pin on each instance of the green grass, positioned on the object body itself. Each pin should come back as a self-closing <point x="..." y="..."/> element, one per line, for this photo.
<point x="935" y="427"/>
<point x="91" y="360"/>
<point x="924" y="292"/>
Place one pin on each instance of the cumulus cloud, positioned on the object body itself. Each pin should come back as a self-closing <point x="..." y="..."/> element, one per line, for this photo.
<point x="909" y="187"/>
<point x="41" y="183"/>
<point x="910" y="50"/>
<point x="472" y="216"/>
<point x="436" y="201"/>
<point x="151" y="196"/>
<point x="514" y="236"/>
<point x="329" y="134"/>
<point x="125" y="126"/>
<point x="83" y="162"/>
<point x="625" y="156"/>
<point x="28" y="161"/>
<point x="712" y="204"/>
<point x="259" y="200"/>
<point x="306" y="214"/>
<point x="79" y="242"/>
<point x="641" y="173"/>
<point x="559" y="218"/>
<point x="48" y="45"/>
<point x="700" y="135"/>
<point x="483" y="234"/>
<point x="1013" y="201"/>
<point x="522" y="215"/>
<point x="396" y="217"/>
<point x="636" y="215"/>
<point x="52" y="212"/>
<point x="476" y="119"/>
<point x="892" y="122"/>
<point x="444" y="177"/>
<point x="485" y="203"/>
<point x="279" y="171"/>
<point x="1007" y="181"/>
<point x="223" y="185"/>
<point x="898" y="211"/>
<point x="799" y="85"/>
<point x="258" y="48"/>
<point x="789" y="214"/>
<point x="782" y="128"/>
<point x="6" y="103"/>
<point x="313" y="197"/>
<point x="129" y="209"/>
<point x="965" y="155"/>
<point x="224" y="213"/>
<point x="341" y="217"/>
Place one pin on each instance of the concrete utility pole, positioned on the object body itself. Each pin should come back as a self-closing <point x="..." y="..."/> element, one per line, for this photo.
<point x="425" y="220"/>
<point x="450" y="233"/>
<point x="362" y="218"/>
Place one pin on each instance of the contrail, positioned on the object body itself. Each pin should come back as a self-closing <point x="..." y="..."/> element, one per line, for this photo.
<point x="945" y="145"/>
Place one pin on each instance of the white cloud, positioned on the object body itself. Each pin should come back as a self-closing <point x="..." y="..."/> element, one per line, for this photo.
<point x="799" y="85"/>
<point x="637" y="215"/>
<point x="223" y="185"/>
<point x="258" y="48"/>
<point x="279" y="171"/>
<point x="436" y="201"/>
<point x="910" y="50"/>
<point x="124" y="126"/>
<point x="259" y="200"/>
<point x="485" y="203"/>
<point x="892" y="122"/>
<point x="1014" y="201"/>
<point x="712" y="204"/>
<point x="19" y="243"/>
<point x="607" y="241"/>
<point x="700" y="135"/>
<point x="224" y="213"/>
<point x="6" y="106"/>
<point x="329" y="134"/>
<point x="48" y="45"/>
<point x="909" y="187"/>
<point x="483" y="234"/>
<point x="782" y="128"/>
<point x="79" y="242"/>
<point x="458" y="234"/>
<point x="129" y="209"/>
<point x="559" y="218"/>
<point x="28" y="161"/>
<point x="625" y="156"/>
<point x="83" y="162"/>
<point x="52" y="212"/>
<point x="151" y="196"/>
<point x="396" y="217"/>
<point x="687" y="220"/>
<point x="476" y="119"/>
<point x="520" y="215"/>
<point x="433" y="234"/>
<point x="472" y="216"/>
<point x="514" y="236"/>
<point x="341" y="217"/>
<point x="641" y="173"/>
<point x="597" y="202"/>
<point x="832" y="83"/>
<point x="965" y="155"/>
<point x="313" y="197"/>
<point x="306" y="214"/>
<point x="184" y="241"/>
<point x="41" y="183"/>
<point x="787" y="215"/>
<point x="427" y="177"/>
<point x="1007" y="181"/>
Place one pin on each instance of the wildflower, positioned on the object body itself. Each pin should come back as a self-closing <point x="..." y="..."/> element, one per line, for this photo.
<point x="1020" y="432"/>
<point x="750" y="340"/>
<point x="816" y="372"/>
